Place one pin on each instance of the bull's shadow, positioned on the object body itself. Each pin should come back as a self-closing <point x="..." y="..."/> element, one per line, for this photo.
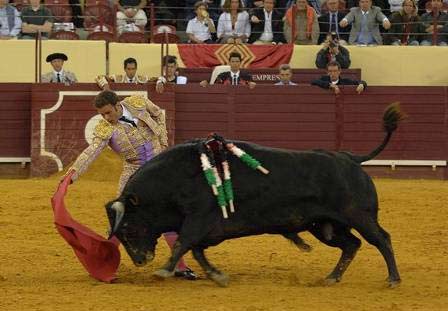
<point x="325" y="193"/>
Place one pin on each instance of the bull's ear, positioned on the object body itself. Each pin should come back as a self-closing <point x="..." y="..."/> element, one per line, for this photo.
<point x="132" y="200"/>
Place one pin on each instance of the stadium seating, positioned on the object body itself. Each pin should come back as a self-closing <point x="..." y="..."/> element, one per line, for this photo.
<point x="164" y="33"/>
<point x="64" y="35"/>
<point x="132" y="37"/>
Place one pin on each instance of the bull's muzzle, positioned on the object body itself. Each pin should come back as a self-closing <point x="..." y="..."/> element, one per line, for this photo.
<point x="143" y="260"/>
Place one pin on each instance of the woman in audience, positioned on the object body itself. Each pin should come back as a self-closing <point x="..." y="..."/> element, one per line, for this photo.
<point x="306" y="24"/>
<point x="233" y="23"/>
<point x="406" y="28"/>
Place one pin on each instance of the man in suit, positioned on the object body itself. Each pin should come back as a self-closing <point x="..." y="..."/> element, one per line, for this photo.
<point x="333" y="79"/>
<point x="235" y="76"/>
<point x="329" y="22"/>
<point x="285" y="75"/>
<point x="365" y="21"/>
<point x="267" y="25"/>
<point x="58" y="75"/>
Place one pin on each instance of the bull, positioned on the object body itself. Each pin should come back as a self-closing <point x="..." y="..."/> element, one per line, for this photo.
<point x="325" y="193"/>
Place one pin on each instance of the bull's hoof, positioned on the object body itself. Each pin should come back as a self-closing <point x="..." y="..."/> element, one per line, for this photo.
<point x="163" y="274"/>
<point x="393" y="283"/>
<point x="329" y="281"/>
<point x="221" y="279"/>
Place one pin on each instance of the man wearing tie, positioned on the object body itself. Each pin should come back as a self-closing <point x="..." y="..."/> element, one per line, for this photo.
<point x="58" y="75"/>
<point x="234" y="76"/>
<point x="365" y="21"/>
<point x="329" y="23"/>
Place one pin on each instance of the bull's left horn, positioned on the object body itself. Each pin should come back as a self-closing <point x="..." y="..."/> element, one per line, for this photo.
<point x="118" y="207"/>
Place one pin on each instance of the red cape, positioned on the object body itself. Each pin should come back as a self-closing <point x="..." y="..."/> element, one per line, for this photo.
<point x="100" y="257"/>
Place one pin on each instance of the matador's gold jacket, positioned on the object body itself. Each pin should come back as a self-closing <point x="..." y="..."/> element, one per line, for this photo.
<point x="135" y="145"/>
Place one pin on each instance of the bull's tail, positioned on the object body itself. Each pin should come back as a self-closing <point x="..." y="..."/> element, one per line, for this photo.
<point x="391" y="117"/>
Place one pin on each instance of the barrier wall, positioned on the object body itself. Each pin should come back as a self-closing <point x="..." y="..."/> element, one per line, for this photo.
<point x="304" y="117"/>
<point x="148" y="57"/>
<point x="63" y="120"/>
<point x="86" y="59"/>
<point x="381" y="65"/>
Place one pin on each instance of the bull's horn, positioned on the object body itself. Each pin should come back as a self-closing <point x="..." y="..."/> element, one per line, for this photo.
<point x="118" y="207"/>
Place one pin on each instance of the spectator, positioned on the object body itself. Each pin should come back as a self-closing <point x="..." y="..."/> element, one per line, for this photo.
<point x="395" y="6"/>
<point x="315" y="4"/>
<point x="365" y="28"/>
<point x="329" y="22"/>
<point x="200" y="28"/>
<point x="285" y="74"/>
<point x="130" y="15"/>
<point x="438" y="19"/>
<point x="333" y="79"/>
<point x="332" y="51"/>
<point x="406" y="28"/>
<point x="36" y="18"/>
<point x="307" y="27"/>
<point x="233" y="23"/>
<point x="130" y="76"/>
<point x="234" y="76"/>
<point x="58" y="75"/>
<point x="171" y="74"/>
<point x="10" y="22"/>
<point x="267" y="25"/>
<point x="382" y="4"/>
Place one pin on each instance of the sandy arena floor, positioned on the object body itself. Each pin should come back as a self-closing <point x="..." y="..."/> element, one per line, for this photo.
<point x="39" y="271"/>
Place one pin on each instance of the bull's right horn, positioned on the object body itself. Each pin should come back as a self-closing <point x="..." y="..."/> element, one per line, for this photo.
<point x="118" y="207"/>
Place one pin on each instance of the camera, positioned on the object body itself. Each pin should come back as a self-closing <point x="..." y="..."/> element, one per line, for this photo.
<point x="333" y="40"/>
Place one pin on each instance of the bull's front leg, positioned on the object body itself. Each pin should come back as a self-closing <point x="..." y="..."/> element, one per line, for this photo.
<point x="167" y="269"/>
<point x="212" y="273"/>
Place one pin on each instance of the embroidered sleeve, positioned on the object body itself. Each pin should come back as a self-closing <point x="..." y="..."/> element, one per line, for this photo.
<point x="102" y="134"/>
<point x="87" y="157"/>
<point x="158" y="115"/>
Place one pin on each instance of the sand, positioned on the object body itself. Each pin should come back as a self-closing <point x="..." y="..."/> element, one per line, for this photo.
<point x="39" y="271"/>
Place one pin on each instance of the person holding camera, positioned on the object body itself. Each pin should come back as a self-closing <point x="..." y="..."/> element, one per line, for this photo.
<point x="332" y="51"/>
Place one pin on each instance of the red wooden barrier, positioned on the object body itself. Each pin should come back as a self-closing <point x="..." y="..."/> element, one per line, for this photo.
<point x="299" y="118"/>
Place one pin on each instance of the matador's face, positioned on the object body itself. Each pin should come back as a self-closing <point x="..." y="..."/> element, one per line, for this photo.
<point x="111" y="113"/>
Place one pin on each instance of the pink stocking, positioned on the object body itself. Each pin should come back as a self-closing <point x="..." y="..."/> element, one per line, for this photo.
<point x="171" y="238"/>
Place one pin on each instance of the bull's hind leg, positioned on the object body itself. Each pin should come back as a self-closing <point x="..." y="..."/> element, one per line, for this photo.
<point x="298" y="241"/>
<point x="377" y="236"/>
<point x="212" y="273"/>
<point x="341" y="237"/>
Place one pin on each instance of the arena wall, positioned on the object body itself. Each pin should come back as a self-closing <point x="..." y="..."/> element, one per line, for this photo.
<point x="381" y="65"/>
<point x="298" y="118"/>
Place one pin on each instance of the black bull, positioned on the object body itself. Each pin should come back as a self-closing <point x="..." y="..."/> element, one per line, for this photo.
<point x="325" y="193"/>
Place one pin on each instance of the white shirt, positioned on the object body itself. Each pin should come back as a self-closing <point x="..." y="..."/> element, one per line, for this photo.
<point x="128" y="116"/>
<point x="199" y="29"/>
<point x="61" y="75"/>
<point x="234" y="76"/>
<point x="335" y="82"/>
<point x="289" y="83"/>
<point x="267" y="34"/>
<point x="242" y="25"/>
